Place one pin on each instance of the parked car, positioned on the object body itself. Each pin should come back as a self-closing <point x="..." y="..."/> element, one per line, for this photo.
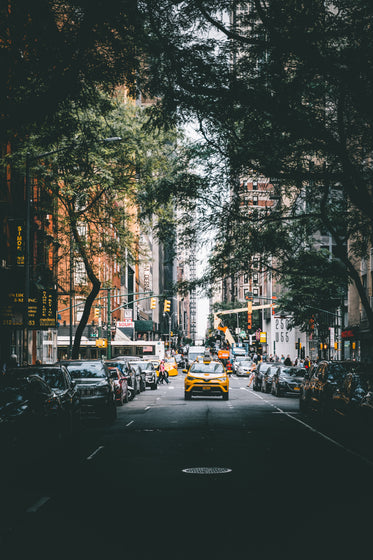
<point x="267" y="377"/>
<point x="95" y="387"/>
<point x="238" y="360"/>
<point x="140" y="374"/>
<point x="261" y="368"/>
<point x="287" y="381"/>
<point x="122" y="363"/>
<point x="349" y="399"/>
<point x="245" y="367"/>
<point x="59" y="379"/>
<point x="30" y="411"/>
<point x="120" y="385"/>
<point x="148" y="373"/>
<point x="320" y="384"/>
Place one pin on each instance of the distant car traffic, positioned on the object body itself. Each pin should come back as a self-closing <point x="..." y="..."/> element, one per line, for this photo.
<point x="245" y="367"/>
<point x="206" y="379"/>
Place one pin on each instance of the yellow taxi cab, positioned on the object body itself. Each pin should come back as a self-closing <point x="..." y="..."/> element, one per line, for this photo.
<point x="170" y="366"/>
<point x="206" y="378"/>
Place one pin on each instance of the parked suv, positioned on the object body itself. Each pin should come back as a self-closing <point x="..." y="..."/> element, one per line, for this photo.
<point x="151" y="378"/>
<point x="320" y="384"/>
<point x="95" y="388"/>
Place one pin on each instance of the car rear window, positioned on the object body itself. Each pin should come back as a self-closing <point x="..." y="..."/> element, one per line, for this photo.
<point x="86" y="371"/>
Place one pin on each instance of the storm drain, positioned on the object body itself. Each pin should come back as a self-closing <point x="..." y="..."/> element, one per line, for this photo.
<point x="207" y="470"/>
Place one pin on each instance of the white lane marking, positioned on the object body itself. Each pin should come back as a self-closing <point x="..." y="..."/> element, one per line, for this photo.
<point x="37" y="505"/>
<point x="95" y="453"/>
<point x="129" y="423"/>
<point x="171" y="388"/>
<point x="322" y="435"/>
<point x="147" y="408"/>
<point x="158" y="399"/>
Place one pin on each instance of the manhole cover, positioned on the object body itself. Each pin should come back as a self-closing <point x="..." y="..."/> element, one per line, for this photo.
<point x="207" y="470"/>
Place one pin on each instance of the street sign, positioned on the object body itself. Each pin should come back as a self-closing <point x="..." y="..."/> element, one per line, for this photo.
<point x="126" y="324"/>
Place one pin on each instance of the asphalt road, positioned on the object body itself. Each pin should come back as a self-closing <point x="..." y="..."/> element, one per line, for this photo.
<point x="205" y="478"/>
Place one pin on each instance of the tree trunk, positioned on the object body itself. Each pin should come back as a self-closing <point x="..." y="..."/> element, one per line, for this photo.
<point x="96" y="285"/>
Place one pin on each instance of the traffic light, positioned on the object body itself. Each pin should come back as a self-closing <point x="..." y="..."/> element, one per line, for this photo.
<point x="273" y="304"/>
<point x="249" y="321"/>
<point x="167" y="305"/>
<point x="97" y="312"/>
<point x="153" y="303"/>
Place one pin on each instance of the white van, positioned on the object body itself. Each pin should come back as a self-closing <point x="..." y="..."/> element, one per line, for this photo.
<point x="194" y="352"/>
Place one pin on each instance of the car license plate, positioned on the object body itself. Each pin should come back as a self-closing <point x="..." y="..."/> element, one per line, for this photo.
<point x="206" y="388"/>
<point x="296" y="388"/>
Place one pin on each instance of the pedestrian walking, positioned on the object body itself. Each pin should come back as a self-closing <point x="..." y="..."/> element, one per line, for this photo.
<point x="252" y="374"/>
<point x="163" y="375"/>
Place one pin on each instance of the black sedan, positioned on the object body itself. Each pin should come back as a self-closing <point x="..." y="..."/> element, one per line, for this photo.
<point x="287" y="381"/>
<point x="30" y="411"/>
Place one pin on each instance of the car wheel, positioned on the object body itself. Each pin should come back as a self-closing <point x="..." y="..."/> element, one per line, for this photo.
<point x="154" y="386"/>
<point x="225" y="396"/>
<point x="187" y="396"/>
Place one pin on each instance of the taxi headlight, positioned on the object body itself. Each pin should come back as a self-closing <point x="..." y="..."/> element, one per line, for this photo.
<point x="190" y="378"/>
<point x="222" y="379"/>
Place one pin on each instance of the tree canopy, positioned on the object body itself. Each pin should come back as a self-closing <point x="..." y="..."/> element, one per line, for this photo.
<point x="281" y="90"/>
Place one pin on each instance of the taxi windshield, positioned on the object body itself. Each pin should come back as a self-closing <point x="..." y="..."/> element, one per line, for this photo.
<point x="211" y="367"/>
